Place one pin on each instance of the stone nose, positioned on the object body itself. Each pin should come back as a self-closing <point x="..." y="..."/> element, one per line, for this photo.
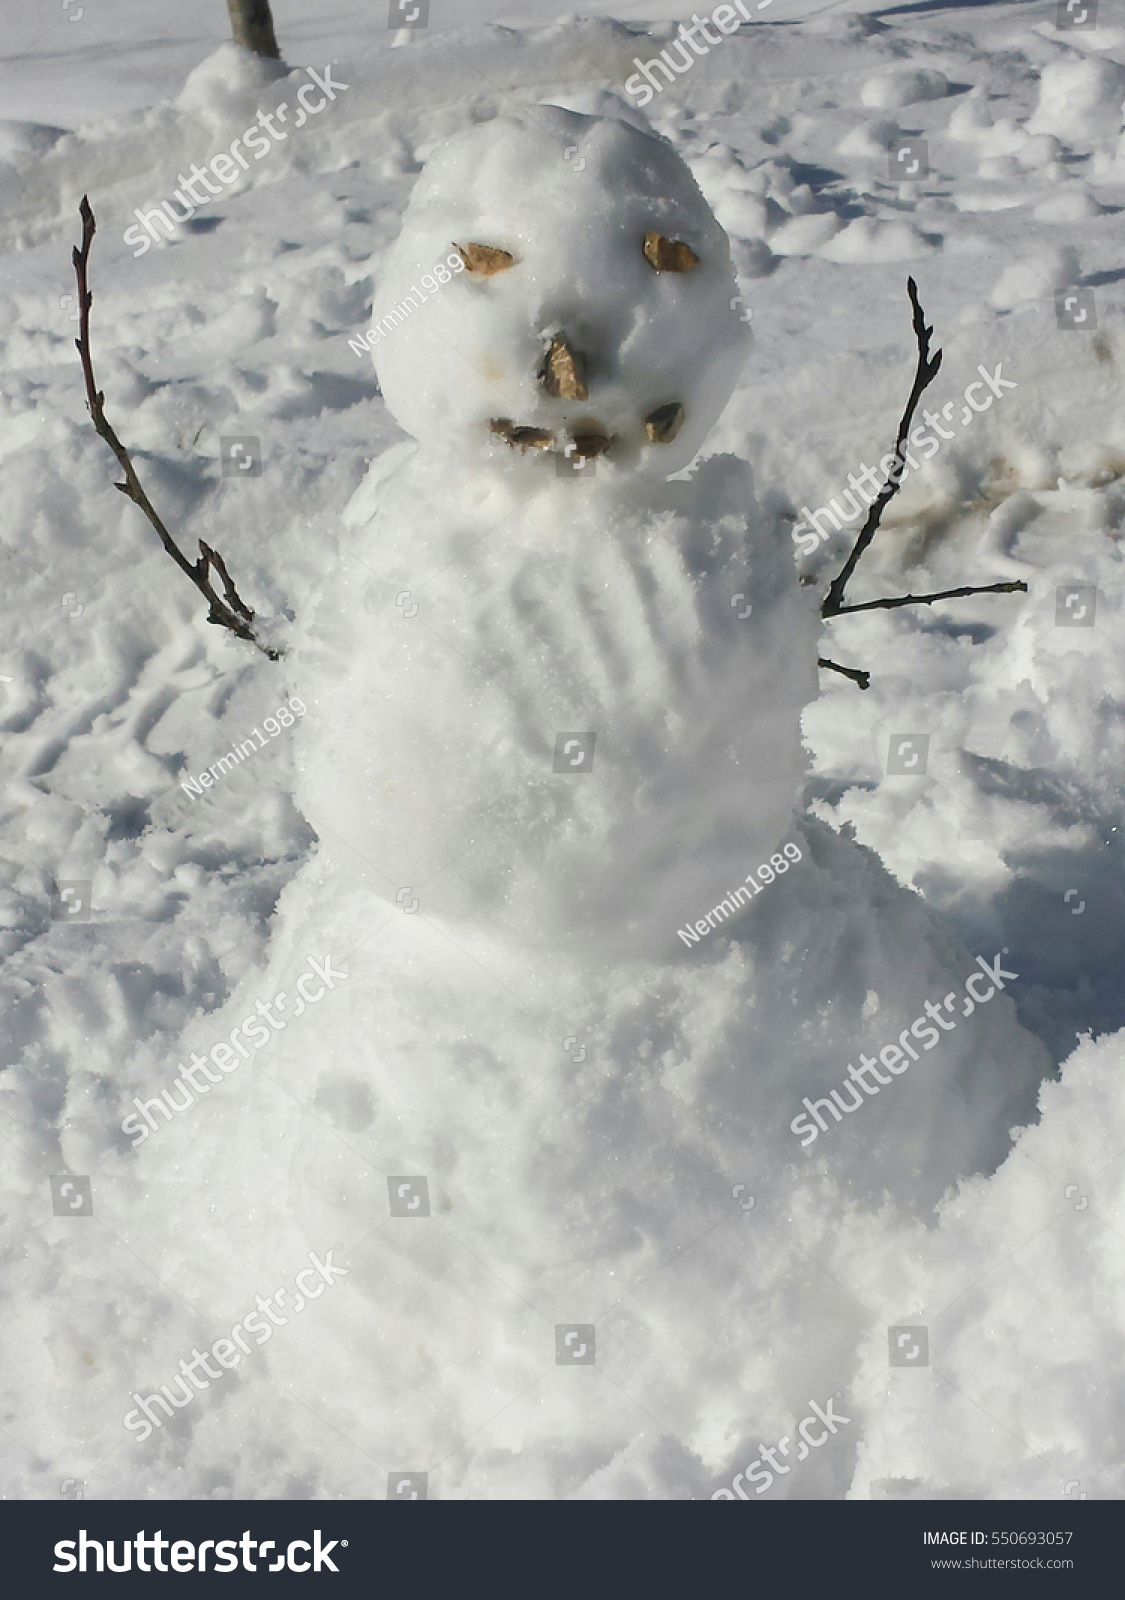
<point x="564" y="370"/>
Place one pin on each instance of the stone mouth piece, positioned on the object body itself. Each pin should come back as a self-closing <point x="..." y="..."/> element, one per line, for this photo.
<point x="587" y="438"/>
<point x="564" y="370"/>
<point x="669" y="255"/>
<point x="484" y="259"/>
<point x="663" y="424"/>
<point x="520" y="436"/>
<point x="590" y="439"/>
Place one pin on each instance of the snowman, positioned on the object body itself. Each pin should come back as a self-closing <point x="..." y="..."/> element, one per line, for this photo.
<point x="555" y="684"/>
<point x="554" y="688"/>
<point x="559" y="693"/>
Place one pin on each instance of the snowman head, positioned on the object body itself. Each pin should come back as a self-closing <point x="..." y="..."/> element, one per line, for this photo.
<point x="560" y="289"/>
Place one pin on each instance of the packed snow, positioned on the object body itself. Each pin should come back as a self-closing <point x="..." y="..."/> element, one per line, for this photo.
<point x="443" y="1001"/>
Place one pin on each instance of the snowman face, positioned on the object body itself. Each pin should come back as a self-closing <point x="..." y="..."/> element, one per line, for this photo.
<point x="592" y="313"/>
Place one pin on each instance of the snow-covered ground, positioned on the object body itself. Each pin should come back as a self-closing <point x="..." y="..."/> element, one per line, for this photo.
<point x="592" y="1119"/>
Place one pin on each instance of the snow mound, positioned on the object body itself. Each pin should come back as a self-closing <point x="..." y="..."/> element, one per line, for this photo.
<point x="575" y="1135"/>
<point x="1072" y="203"/>
<point x="870" y="140"/>
<point x="1080" y="100"/>
<point x="1001" y="140"/>
<point x="752" y="204"/>
<point x="971" y="118"/>
<point x="903" y="86"/>
<point x="570" y="199"/>
<point x="226" y="84"/>
<point x="1009" y="1410"/>
<point x="802" y="235"/>
<point x="1036" y="278"/>
<point x="747" y="216"/>
<point x="18" y="139"/>
<point x="601" y="103"/>
<point x="1109" y="165"/>
<point x="870" y="239"/>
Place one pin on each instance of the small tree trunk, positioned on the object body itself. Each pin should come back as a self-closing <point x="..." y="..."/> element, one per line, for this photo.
<point x="252" y="26"/>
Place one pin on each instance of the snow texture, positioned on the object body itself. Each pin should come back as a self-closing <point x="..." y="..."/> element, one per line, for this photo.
<point x="592" y="1101"/>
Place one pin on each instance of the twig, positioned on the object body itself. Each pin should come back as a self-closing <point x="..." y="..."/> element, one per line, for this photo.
<point x="927" y="370"/>
<point x="833" y="604"/>
<point x="233" y="598"/>
<point x="855" y="673"/>
<point x="229" y="611"/>
<point x="928" y="599"/>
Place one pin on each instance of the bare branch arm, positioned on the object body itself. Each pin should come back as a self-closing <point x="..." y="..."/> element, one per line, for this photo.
<point x="928" y="599"/>
<point x="925" y="373"/>
<point x="833" y="605"/>
<point x="856" y="674"/>
<point x="229" y="611"/>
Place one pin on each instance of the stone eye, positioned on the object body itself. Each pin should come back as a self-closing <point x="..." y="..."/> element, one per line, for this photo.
<point x="484" y="259"/>
<point x="669" y="255"/>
